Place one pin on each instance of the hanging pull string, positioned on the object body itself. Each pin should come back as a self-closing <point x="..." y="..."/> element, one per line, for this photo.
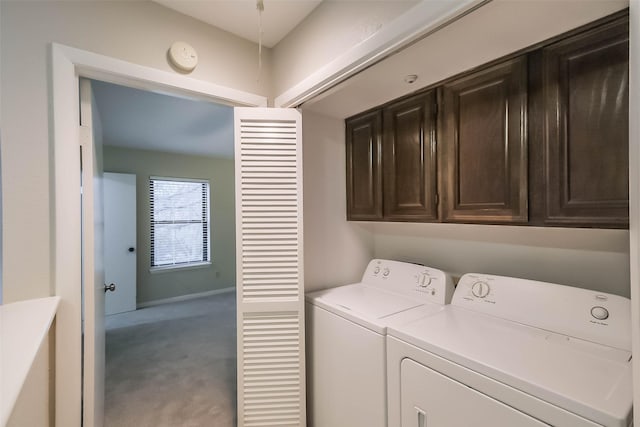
<point x="260" y="7"/>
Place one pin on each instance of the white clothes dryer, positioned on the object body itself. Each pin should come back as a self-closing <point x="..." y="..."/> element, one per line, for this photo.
<point x="512" y="352"/>
<point x="346" y="347"/>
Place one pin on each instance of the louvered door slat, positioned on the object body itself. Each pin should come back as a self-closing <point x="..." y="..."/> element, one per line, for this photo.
<point x="271" y="384"/>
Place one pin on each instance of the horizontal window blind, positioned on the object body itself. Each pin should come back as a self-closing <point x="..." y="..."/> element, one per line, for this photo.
<point x="179" y="217"/>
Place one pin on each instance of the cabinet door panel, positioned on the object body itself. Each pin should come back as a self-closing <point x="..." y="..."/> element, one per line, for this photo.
<point x="484" y="145"/>
<point x="364" y="178"/>
<point x="481" y="150"/>
<point x="409" y="159"/>
<point x="586" y="92"/>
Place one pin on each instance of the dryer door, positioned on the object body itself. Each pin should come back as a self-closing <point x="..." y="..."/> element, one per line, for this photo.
<point x="430" y="399"/>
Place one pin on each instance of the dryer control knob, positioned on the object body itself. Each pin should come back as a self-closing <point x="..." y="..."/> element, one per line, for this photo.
<point x="600" y="313"/>
<point x="376" y="270"/>
<point x="385" y="272"/>
<point x="480" y="289"/>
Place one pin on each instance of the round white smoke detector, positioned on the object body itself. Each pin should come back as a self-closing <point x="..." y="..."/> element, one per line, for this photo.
<point x="183" y="56"/>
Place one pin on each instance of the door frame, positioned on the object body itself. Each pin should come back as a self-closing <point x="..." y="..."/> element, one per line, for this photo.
<point x="68" y="65"/>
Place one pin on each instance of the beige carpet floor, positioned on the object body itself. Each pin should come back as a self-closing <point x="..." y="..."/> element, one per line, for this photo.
<point x="172" y="365"/>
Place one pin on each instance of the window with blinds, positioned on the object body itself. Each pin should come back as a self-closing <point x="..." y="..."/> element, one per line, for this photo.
<point x="179" y="214"/>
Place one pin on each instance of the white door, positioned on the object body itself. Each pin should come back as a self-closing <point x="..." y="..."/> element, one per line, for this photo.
<point x="92" y="263"/>
<point x="270" y="290"/>
<point x="120" y="241"/>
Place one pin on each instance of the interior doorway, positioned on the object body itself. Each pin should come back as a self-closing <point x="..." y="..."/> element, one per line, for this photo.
<point x="73" y="405"/>
<point x="172" y="360"/>
<point x="263" y="130"/>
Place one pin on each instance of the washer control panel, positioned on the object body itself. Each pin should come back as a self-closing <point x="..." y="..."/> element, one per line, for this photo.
<point x="575" y="312"/>
<point x="426" y="283"/>
<point x="434" y="284"/>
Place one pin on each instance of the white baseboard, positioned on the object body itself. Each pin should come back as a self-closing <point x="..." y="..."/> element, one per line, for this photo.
<point x="184" y="297"/>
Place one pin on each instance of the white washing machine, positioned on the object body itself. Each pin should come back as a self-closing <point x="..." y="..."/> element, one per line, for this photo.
<point x="513" y="352"/>
<point x="346" y="347"/>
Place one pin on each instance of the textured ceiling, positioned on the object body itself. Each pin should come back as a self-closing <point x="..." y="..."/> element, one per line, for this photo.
<point x="145" y="120"/>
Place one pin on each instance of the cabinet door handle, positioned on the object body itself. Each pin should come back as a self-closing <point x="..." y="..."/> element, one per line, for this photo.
<point x="421" y="416"/>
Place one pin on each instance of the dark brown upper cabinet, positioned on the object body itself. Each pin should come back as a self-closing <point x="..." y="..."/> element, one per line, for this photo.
<point x="484" y="145"/>
<point x="364" y="174"/>
<point x="539" y="138"/>
<point x="409" y="159"/>
<point x="586" y="138"/>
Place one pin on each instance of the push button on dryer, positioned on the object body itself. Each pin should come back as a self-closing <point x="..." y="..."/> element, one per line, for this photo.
<point x="599" y="313"/>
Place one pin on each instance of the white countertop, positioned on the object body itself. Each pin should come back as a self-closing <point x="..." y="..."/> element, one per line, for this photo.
<point x="23" y="327"/>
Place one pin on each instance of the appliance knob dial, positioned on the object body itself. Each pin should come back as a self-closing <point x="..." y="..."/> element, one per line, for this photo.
<point x="599" y="312"/>
<point x="425" y="280"/>
<point x="376" y="270"/>
<point x="385" y="272"/>
<point x="480" y="289"/>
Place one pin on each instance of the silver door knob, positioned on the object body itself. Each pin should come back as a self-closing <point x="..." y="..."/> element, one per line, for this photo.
<point x="111" y="287"/>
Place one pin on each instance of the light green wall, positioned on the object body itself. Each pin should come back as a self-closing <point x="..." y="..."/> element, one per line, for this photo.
<point x="220" y="173"/>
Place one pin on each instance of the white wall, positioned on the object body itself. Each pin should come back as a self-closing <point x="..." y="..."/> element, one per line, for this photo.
<point x="1" y="228"/>
<point x="586" y="258"/>
<point x="34" y="406"/>
<point x="634" y="193"/>
<point x="1" y="258"/>
<point x="138" y="32"/>
<point x="336" y="252"/>
<point x="329" y="31"/>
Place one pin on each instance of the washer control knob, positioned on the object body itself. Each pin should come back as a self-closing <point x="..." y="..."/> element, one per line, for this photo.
<point x="425" y="280"/>
<point x="385" y="272"/>
<point x="599" y="313"/>
<point x="376" y="270"/>
<point x="480" y="289"/>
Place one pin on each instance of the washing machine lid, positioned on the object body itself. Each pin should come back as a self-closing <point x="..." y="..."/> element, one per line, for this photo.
<point x="591" y="380"/>
<point x="364" y="304"/>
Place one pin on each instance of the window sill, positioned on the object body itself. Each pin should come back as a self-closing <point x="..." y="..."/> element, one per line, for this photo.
<point x="175" y="268"/>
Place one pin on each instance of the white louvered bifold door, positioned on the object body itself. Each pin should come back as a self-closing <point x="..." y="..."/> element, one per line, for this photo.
<point x="271" y="380"/>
